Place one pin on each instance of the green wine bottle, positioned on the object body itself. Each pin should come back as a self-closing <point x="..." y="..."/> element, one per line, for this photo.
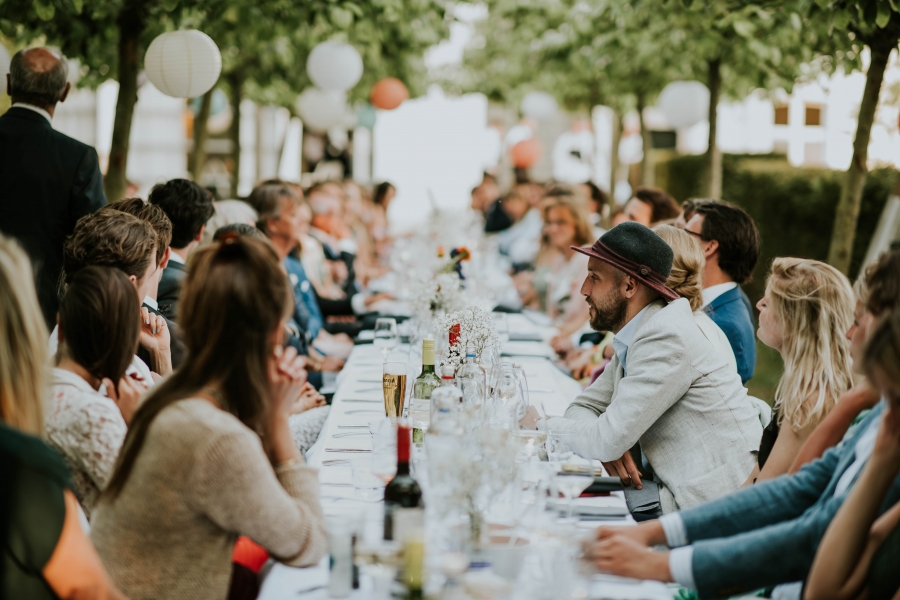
<point x="427" y="382"/>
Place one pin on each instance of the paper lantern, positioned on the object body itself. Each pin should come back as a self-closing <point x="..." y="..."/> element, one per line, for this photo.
<point x="5" y="59"/>
<point x="321" y="110"/>
<point x="334" y="66"/>
<point x="684" y="103"/>
<point x="388" y="94"/>
<point x="183" y="64"/>
<point x="525" y="153"/>
<point x="538" y="105"/>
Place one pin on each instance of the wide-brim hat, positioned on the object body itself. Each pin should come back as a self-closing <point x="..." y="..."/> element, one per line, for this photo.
<point x="637" y="251"/>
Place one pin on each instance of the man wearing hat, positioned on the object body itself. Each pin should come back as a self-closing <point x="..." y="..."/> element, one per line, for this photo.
<point x="666" y="386"/>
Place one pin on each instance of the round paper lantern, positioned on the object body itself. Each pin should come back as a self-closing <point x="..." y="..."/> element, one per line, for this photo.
<point x="321" y="110"/>
<point x="5" y="59"/>
<point x="525" y="153"/>
<point x="183" y="64"/>
<point x="685" y="103"/>
<point x="335" y="66"/>
<point x="538" y="105"/>
<point x="388" y="94"/>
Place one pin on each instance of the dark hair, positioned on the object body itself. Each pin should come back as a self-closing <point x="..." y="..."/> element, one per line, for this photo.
<point x="266" y="200"/>
<point x="235" y="295"/>
<point x="109" y="238"/>
<point x="597" y="195"/>
<point x="187" y="205"/>
<point x="31" y="85"/>
<point x="240" y="229"/>
<point x="150" y="213"/>
<point x="664" y="205"/>
<point x="883" y="283"/>
<point x="736" y="233"/>
<point x="883" y="348"/>
<point x="688" y="207"/>
<point x="99" y="320"/>
<point x="381" y="191"/>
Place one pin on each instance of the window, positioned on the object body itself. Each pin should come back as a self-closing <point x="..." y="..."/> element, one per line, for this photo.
<point x="813" y="115"/>
<point x="781" y="114"/>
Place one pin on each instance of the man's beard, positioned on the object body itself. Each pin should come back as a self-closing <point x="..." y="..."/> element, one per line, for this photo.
<point x="609" y="315"/>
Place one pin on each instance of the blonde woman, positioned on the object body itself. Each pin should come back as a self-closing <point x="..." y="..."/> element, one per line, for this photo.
<point x="805" y="315"/>
<point x="47" y="554"/>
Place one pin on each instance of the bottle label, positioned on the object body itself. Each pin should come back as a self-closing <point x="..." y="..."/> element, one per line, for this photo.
<point x="418" y="435"/>
<point x="408" y="523"/>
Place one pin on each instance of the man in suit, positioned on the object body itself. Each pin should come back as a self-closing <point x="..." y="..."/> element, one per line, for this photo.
<point x="49" y="179"/>
<point x="761" y="536"/>
<point x="188" y="207"/>
<point x="730" y="243"/>
<point x="666" y="385"/>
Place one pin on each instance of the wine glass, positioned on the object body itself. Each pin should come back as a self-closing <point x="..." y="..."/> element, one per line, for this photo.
<point x="386" y="335"/>
<point x="571" y="485"/>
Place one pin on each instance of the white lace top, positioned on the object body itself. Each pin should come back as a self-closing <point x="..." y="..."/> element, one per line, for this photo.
<point x="87" y="429"/>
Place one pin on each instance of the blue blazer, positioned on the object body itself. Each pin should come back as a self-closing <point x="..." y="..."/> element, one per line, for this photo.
<point x="732" y="313"/>
<point x="306" y="309"/>
<point x="768" y="534"/>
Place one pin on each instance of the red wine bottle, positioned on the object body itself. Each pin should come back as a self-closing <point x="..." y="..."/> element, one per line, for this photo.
<point x="403" y="505"/>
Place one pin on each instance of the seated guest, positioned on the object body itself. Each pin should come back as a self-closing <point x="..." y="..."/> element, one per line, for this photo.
<point x="805" y="314"/>
<point x="209" y="454"/>
<point x="381" y="200"/>
<point x="650" y="206"/>
<point x="46" y="554"/>
<point x="877" y="293"/>
<point x="111" y="238"/>
<point x="597" y="205"/>
<point x="98" y="336"/>
<point x="730" y="242"/>
<point x="667" y="386"/>
<point x="161" y="224"/>
<point x="857" y="556"/>
<point x="228" y="212"/>
<point x="486" y="198"/>
<point x="188" y="207"/>
<point x="520" y="242"/>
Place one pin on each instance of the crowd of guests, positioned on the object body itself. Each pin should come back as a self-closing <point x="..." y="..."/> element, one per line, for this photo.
<point x="162" y="364"/>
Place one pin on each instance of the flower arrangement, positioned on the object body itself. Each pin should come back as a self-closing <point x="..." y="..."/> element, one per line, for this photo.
<point x="471" y="326"/>
<point x="434" y="294"/>
<point x="457" y="256"/>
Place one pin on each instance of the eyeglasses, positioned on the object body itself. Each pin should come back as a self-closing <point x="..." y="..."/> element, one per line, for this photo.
<point x="694" y="233"/>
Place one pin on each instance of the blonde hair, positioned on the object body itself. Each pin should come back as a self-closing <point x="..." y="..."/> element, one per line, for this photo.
<point x="568" y="198"/>
<point x="814" y="303"/>
<point x="687" y="267"/>
<point x="23" y="342"/>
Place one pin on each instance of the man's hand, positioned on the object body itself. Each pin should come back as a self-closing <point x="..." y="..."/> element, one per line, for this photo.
<point x="648" y="534"/>
<point x="156" y="340"/>
<point x="621" y="555"/>
<point x="626" y="469"/>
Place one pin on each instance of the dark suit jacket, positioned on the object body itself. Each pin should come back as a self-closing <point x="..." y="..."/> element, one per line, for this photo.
<point x="732" y="313"/>
<point x="47" y="182"/>
<point x="170" y="288"/>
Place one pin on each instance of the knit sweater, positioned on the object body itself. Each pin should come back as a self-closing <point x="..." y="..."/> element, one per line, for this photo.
<point x="201" y="479"/>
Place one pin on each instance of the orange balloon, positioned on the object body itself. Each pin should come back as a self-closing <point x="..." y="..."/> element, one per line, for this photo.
<point x="388" y="94"/>
<point x="525" y="153"/>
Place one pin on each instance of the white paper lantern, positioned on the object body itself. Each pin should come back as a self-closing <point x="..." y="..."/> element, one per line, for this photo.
<point x="183" y="64"/>
<point x="334" y="66"/>
<point x="684" y="103"/>
<point x="5" y="59"/>
<point x="321" y="110"/>
<point x="538" y="105"/>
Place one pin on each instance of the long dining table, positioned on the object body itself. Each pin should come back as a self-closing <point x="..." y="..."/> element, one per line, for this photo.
<point x="358" y="400"/>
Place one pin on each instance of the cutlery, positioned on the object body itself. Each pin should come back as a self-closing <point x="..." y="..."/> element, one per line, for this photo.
<point x="337" y="484"/>
<point x="362" y="400"/>
<point x="353" y="427"/>
<point x="348" y="450"/>
<point x="363" y="391"/>
<point x="361" y="411"/>
<point x="350" y="434"/>
<point x="312" y="589"/>
<point x="333" y="462"/>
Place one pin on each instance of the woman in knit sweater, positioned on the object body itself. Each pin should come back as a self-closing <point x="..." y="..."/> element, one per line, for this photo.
<point x="209" y="454"/>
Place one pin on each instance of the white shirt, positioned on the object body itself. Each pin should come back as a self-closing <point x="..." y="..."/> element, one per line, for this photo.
<point x="714" y="291"/>
<point x="175" y="257"/>
<point x="624" y="337"/>
<point x="682" y="556"/>
<point x="34" y="108"/>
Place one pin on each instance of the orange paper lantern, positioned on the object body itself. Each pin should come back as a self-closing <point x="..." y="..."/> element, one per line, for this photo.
<point x="525" y="153"/>
<point x="388" y="94"/>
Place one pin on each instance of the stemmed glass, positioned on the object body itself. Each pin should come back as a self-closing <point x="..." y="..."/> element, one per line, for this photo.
<point x="386" y="335"/>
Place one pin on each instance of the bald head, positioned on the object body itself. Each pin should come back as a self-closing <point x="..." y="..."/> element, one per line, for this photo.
<point x="38" y="76"/>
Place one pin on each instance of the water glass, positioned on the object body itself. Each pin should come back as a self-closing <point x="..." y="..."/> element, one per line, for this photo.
<point x="559" y="446"/>
<point x="366" y="484"/>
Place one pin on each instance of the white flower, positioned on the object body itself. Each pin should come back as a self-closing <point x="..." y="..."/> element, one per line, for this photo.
<point x="475" y="329"/>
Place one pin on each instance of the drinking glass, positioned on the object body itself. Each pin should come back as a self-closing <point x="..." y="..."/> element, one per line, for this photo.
<point x="559" y="447"/>
<point x="384" y="449"/>
<point x="393" y="383"/>
<point x="366" y="483"/>
<point x="386" y="337"/>
<point x="571" y="487"/>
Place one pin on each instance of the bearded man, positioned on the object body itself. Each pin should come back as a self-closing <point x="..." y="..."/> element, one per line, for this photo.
<point x="666" y="386"/>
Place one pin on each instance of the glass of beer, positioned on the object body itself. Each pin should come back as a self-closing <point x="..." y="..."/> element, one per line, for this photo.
<point x="394" y="386"/>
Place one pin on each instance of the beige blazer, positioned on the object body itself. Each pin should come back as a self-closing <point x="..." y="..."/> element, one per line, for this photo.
<point x="684" y="403"/>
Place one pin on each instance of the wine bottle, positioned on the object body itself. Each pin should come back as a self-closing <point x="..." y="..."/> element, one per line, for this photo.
<point x="404" y="510"/>
<point x="420" y="406"/>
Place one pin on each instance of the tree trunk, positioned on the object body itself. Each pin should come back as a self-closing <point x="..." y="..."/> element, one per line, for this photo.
<point x="648" y="177"/>
<point x="201" y="134"/>
<point x="847" y="210"/>
<point x="236" y="82"/>
<point x="131" y="26"/>
<point x="713" y="157"/>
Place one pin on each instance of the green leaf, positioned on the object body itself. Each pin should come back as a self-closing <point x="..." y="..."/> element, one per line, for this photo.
<point x="44" y="10"/>
<point x="340" y="17"/>
<point x="744" y="28"/>
<point x="79" y="6"/>
<point x="895" y="4"/>
<point x="884" y="14"/>
<point x="169" y="5"/>
<point x="796" y="22"/>
<point x="840" y="19"/>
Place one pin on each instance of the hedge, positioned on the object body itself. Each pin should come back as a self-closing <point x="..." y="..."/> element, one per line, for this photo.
<point x="792" y="206"/>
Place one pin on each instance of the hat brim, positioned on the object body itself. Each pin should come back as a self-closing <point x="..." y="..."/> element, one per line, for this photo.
<point x="610" y="257"/>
